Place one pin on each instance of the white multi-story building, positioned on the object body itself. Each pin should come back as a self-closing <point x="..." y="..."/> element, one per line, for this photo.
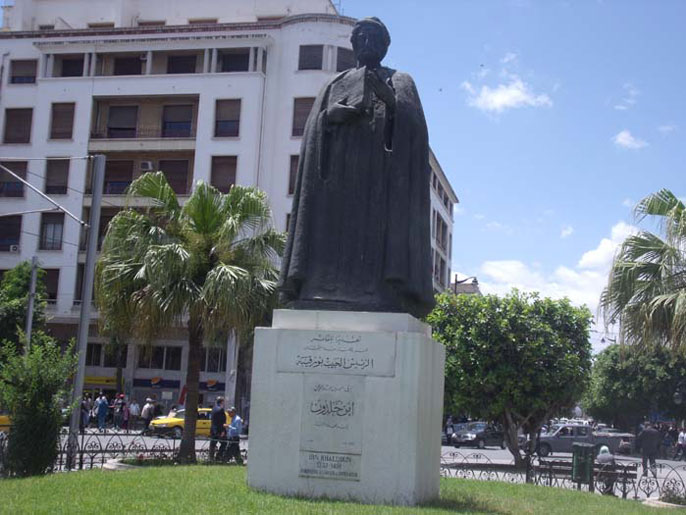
<point x="213" y="90"/>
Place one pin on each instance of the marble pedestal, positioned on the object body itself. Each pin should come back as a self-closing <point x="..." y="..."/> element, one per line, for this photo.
<point x="346" y="405"/>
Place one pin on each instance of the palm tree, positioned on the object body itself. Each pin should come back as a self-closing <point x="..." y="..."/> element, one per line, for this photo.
<point x="646" y="290"/>
<point x="208" y="265"/>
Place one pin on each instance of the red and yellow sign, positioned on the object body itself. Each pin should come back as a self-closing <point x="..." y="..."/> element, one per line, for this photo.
<point x="100" y="380"/>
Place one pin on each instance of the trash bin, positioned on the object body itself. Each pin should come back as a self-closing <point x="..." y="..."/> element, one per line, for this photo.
<point x="583" y="458"/>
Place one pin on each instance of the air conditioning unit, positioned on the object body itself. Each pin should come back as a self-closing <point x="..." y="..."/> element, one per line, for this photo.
<point x="14" y="248"/>
<point x="146" y="166"/>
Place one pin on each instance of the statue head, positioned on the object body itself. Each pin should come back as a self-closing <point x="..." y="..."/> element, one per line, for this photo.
<point x="370" y="40"/>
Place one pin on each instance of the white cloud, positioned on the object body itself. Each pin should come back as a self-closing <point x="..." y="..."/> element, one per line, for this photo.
<point x="567" y="231"/>
<point x="625" y="139"/>
<point x="629" y="99"/>
<point x="601" y="256"/>
<point x="509" y="57"/>
<point x="479" y="216"/>
<point x="515" y="94"/>
<point x="582" y="284"/>
<point x="667" y="128"/>
<point x="458" y="210"/>
<point x="627" y="202"/>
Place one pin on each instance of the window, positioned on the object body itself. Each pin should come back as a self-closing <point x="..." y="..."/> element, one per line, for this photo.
<point x="223" y="172"/>
<point x="72" y="67"/>
<point x="227" y="118"/>
<point x="10" y="231"/>
<point x="23" y="71"/>
<point x="235" y="60"/>
<point x="118" y="176"/>
<point x="101" y="25"/>
<point x="18" y="125"/>
<point x="160" y="357"/>
<point x="122" y="121"/>
<point x="293" y="174"/>
<point x="172" y="359"/>
<point x="106" y="215"/>
<point x="311" y="57"/>
<point x="127" y="66"/>
<point x="9" y="185"/>
<point x="345" y="59"/>
<point x="111" y="355"/>
<point x="51" y="228"/>
<point x="301" y="110"/>
<point x="202" y="21"/>
<point x="151" y="23"/>
<point x="177" y="121"/>
<point x="288" y="221"/>
<point x="56" y="176"/>
<point x="181" y="63"/>
<point x="79" y="283"/>
<point x="62" y="123"/>
<point x="52" y="280"/>
<point x="46" y="27"/>
<point x="216" y="360"/>
<point x="93" y="353"/>
<point x="176" y="172"/>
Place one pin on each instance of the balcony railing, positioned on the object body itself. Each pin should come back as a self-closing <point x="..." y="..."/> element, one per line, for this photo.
<point x="166" y="130"/>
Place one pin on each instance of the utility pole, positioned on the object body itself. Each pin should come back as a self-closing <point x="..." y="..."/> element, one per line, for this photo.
<point x="32" y="298"/>
<point x="86" y="298"/>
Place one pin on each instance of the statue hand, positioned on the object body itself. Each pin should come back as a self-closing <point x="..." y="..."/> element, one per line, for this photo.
<point x="341" y="113"/>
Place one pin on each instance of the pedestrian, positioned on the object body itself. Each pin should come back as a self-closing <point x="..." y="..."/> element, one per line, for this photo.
<point x="102" y="407"/>
<point x="125" y="416"/>
<point x="134" y="413"/>
<point x="234" y="431"/>
<point x="147" y="413"/>
<point x="85" y="416"/>
<point x="218" y="430"/>
<point x="648" y="441"/>
<point x="118" y="405"/>
<point x="606" y="476"/>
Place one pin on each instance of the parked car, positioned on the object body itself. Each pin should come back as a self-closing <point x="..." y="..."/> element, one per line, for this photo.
<point x="4" y="423"/>
<point x="560" y="438"/>
<point x="173" y="424"/>
<point x="478" y="434"/>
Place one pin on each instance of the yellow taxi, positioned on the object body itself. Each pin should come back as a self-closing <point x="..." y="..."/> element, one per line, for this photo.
<point x="172" y="424"/>
<point x="4" y="423"/>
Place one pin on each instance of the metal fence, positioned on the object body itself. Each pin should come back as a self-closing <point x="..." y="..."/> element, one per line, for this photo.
<point x="94" y="450"/>
<point x="626" y="478"/>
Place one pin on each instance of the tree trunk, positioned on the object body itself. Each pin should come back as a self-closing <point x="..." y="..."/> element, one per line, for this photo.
<point x="232" y="349"/>
<point x="511" y="430"/>
<point x="195" y="337"/>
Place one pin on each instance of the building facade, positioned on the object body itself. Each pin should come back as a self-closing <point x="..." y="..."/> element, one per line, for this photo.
<point x="214" y="90"/>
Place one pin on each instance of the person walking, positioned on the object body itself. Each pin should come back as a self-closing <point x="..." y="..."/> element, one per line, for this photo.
<point x="218" y="430"/>
<point x="147" y="413"/>
<point x="102" y="407"/>
<point x="648" y="441"/>
<point x="85" y="416"/>
<point x="134" y="413"/>
<point x="125" y="416"/>
<point x="234" y="432"/>
<point x="118" y="405"/>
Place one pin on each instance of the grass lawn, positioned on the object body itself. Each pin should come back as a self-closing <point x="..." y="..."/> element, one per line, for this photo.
<point x="200" y="489"/>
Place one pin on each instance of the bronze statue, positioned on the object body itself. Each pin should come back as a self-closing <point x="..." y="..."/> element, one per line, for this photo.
<point x="359" y="237"/>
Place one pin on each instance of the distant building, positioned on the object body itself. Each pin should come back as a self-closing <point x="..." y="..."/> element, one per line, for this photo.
<point x="202" y="90"/>
<point x="443" y="200"/>
<point x="470" y="286"/>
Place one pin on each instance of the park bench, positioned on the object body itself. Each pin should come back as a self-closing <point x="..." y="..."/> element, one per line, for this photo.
<point x="624" y="474"/>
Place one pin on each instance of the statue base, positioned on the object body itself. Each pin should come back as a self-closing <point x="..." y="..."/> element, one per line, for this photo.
<point x="346" y="405"/>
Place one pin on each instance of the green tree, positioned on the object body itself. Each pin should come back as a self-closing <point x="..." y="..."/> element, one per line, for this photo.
<point x="646" y="289"/>
<point x="516" y="360"/>
<point x="208" y="265"/>
<point x="14" y="298"/>
<point x="629" y="383"/>
<point x="33" y="389"/>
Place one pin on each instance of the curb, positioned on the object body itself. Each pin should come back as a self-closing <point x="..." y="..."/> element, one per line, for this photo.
<point x="655" y="503"/>
<point x="116" y="464"/>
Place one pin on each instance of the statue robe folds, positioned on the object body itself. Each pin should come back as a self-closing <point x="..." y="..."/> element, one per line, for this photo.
<point x="359" y="236"/>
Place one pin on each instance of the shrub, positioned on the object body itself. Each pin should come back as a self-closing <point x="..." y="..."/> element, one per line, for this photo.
<point x="32" y="389"/>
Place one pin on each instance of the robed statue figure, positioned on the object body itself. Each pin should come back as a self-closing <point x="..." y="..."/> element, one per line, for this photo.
<point x="359" y="236"/>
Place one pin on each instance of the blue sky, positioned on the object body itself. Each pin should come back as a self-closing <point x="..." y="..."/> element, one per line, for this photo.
<point x="551" y="119"/>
